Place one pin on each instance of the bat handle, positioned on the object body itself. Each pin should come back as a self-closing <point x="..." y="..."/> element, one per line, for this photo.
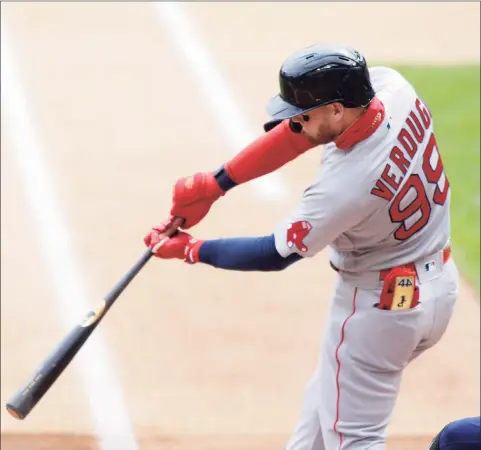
<point x="135" y="269"/>
<point x="128" y="277"/>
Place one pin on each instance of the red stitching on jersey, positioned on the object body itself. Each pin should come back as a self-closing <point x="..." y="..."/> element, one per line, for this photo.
<point x="339" y="368"/>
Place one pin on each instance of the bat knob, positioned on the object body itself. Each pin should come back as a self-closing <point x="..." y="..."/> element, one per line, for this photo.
<point x="15" y="413"/>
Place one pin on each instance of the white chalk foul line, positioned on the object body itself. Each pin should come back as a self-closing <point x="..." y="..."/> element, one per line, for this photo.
<point x="110" y="418"/>
<point x="216" y="91"/>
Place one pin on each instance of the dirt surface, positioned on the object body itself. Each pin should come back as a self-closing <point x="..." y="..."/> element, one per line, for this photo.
<point x="51" y="442"/>
<point x="204" y="359"/>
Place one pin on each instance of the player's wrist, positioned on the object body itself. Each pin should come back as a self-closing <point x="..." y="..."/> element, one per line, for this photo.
<point x="224" y="179"/>
<point x="192" y="250"/>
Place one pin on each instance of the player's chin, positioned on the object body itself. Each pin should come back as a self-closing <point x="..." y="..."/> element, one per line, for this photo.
<point x="326" y="138"/>
<point x="312" y="139"/>
<point x="318" y="139"/>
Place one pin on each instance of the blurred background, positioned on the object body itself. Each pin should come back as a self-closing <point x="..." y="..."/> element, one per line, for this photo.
<point x="104" y="106"/>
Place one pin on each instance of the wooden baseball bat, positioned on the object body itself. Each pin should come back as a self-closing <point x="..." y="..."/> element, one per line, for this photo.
<point x="22" y="403"/>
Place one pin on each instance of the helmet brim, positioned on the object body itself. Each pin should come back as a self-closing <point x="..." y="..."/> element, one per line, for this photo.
<point x="278" y="108"/>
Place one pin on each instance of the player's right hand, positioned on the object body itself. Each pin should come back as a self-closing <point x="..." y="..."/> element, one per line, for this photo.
<point x="159" y="230"/>
<point x="180" y="245"/>
<point x="193" y="196"/>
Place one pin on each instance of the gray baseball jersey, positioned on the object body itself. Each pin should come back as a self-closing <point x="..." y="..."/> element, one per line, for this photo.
<point x="382" y="203"/>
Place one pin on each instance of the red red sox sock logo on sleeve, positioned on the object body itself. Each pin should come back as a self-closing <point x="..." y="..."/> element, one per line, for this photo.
<point x="296" y="232"/>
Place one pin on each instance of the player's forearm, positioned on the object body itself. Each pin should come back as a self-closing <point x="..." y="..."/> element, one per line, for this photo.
<point x="194" y="196"/>
<point x="266" y="154"/>
<point x="245" y="254"/>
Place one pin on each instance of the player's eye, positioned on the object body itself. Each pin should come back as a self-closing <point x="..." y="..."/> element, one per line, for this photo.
<point x="305" y="118"/>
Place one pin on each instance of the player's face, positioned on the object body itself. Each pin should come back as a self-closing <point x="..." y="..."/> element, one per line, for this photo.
<point x="321" y="125"/>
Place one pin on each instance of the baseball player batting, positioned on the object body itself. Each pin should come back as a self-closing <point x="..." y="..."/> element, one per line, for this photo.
<point x="379" y="202"/>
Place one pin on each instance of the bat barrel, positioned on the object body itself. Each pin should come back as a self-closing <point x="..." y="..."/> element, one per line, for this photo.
<point x="20" y="405"/>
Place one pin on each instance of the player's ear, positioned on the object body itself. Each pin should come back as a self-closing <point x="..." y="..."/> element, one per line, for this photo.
<point x="337" y="109"/>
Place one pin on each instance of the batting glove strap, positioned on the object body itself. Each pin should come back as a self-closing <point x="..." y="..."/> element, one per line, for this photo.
<point x="192" y="251"/>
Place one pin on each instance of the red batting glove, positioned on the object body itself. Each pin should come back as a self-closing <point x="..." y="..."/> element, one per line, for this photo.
<point x="193" y="196"/>
<point x="180" y="246"/>
<point x="162" y="228"/>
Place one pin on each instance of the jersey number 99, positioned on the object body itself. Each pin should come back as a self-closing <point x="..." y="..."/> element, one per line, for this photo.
<point x="420" y="205"/>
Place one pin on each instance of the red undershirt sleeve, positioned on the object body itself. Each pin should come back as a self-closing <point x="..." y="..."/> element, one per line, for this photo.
<point x="267" y="153"/>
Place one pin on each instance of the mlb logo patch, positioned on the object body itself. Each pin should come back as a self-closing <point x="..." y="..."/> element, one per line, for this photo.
<point x="388" y="125"/>
<point x="430" y="266"/>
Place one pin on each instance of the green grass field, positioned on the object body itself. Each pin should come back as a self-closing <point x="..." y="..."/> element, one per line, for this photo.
<point x="453" y="96"/>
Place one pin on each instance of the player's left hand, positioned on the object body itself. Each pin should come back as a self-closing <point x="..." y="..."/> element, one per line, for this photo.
<point x="180" y="246"/>
<point x="193" y="196"/>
